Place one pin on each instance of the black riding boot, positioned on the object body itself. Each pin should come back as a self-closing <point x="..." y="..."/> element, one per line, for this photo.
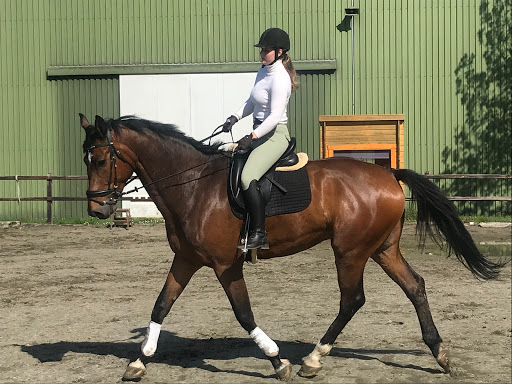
<point x="255" y="205"/>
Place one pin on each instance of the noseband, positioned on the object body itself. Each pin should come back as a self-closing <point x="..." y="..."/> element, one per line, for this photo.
<point x="112" y="193"/>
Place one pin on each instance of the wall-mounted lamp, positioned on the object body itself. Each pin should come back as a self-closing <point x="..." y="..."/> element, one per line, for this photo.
<point x="352" y="11"/>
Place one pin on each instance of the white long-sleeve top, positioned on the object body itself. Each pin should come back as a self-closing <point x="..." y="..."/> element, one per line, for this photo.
<point x="269" y="98"/>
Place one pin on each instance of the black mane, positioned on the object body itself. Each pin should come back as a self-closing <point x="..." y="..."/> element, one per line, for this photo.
<point x="163" y="131"/>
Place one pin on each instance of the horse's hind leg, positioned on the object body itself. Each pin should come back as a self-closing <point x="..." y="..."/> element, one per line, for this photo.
<point x="413" y="285"/>
<point x="350" y="269"/>
<point x="180" y="274"/>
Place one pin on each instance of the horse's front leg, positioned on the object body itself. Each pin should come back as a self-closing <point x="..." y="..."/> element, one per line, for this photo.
<point x="177" y="279"/>
<point x="232" y="280"/>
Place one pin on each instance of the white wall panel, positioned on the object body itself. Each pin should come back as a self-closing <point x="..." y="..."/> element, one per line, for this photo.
<point x="196" y="103"/>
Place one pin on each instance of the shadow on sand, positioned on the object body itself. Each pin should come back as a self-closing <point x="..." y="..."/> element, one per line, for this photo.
<point x="196" y="353"/>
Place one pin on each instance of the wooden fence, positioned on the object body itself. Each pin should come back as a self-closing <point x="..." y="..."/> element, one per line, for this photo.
<point x="49" y="198"/>
<point x="472" y="176"/>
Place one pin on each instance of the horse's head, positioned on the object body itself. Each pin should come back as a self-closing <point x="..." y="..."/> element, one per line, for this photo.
<point x="107" y="176"/>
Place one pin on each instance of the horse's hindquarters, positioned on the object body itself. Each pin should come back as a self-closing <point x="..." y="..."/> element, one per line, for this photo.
<point x="352" y="203"/>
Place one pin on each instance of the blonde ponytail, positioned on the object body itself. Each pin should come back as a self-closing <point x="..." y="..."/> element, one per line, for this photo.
<point x="287" y="62"/>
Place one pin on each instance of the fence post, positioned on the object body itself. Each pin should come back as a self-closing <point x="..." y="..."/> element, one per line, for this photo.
<point x="49" y="201"/>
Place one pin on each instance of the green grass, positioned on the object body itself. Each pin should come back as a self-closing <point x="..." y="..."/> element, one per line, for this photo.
<point x="487" y="219"/>
<point x="89" y="221"/>
<point x="94" y="221"/>
<point x="410" y="215"/>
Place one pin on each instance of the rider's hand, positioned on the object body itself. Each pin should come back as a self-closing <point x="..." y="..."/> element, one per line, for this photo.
<point x="230" y="121"/>
<point x="244" y="142"/>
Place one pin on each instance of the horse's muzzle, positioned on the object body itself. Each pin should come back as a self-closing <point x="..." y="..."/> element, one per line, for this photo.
<point x="100" y="211"/>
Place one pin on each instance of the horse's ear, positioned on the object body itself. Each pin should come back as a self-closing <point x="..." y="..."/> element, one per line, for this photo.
<point x="83" y="121"/>
<point x="100" y="125"/>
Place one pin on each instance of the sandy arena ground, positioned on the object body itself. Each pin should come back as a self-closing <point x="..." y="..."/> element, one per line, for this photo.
<point x="75" y="301"/>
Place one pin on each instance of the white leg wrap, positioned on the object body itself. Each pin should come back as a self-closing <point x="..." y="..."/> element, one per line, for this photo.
<point x="266" y="344"/>
<point x="148" y="346"/>
<point x="321" y="350"/>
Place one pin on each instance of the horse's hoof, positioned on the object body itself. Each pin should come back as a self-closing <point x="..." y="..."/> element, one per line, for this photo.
<point x="134" y="371"/>
<point x="443" y="358"/>
<point x="308" y="370"/>
<point x="284" y="371"/>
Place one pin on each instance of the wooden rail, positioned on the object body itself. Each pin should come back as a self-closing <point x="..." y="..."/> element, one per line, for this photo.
<point x="49" y="198"/>
<point x="478" y="176"/>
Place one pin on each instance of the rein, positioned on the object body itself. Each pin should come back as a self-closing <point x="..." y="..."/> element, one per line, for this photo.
<point x="136" y="189"/>
<point x="113" y="193"/>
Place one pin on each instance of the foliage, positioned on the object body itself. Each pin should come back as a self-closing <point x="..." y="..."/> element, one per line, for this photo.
<point x="483" y="144"/>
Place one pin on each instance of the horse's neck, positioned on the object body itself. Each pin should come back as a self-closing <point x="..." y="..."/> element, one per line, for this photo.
<point x="170" y="167"/>
<point x="165" y="160"/>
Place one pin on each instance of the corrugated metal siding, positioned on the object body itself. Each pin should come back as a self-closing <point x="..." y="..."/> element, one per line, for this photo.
<point x="39" y="118"/>
<point x="406" y="52"/>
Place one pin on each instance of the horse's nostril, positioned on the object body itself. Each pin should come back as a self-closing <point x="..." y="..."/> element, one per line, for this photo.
<point x="99" y="214"/>
<point x="93" y="213"/>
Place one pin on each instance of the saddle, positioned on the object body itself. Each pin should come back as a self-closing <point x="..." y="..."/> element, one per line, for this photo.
<point x="285" y="187"/>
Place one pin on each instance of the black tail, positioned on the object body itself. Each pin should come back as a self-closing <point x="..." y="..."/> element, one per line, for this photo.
<point x="438" y="217"/>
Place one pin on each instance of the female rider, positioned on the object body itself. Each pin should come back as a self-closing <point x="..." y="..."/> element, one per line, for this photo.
<point x="268" y="100"/>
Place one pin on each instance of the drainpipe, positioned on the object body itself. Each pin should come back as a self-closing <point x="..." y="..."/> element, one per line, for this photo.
<point x="351" y="12"/>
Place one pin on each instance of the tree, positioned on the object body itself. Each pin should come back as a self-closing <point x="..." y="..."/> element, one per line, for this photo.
<point x="483" y="145"/>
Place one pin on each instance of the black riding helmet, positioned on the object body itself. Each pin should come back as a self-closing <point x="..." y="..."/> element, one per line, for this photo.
<point x="274" y="38"/>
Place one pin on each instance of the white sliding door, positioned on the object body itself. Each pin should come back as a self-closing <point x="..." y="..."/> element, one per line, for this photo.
<point x="196" y="103"/>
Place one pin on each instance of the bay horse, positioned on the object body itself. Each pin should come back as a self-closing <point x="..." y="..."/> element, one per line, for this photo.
<point x="358" y="206"/>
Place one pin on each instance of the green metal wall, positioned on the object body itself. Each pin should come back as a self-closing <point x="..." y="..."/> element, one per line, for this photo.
<point x="38" y="118"/>
<point x="406" y="53"/>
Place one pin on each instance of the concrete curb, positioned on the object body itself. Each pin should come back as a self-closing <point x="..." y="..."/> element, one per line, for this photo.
<point x="10" y="224"/>
<point x="495" y="225"/>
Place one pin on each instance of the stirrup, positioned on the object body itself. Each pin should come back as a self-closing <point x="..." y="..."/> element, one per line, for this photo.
<point x="251" y="256"/>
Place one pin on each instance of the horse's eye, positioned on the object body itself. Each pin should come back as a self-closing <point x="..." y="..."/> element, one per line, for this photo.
<point x="101" y="163"/>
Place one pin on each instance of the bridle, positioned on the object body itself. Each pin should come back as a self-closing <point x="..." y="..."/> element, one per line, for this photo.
<point x="113" y="193"/>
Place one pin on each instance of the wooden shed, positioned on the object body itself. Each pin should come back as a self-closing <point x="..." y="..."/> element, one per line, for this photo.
<point x="374" y="138"/>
